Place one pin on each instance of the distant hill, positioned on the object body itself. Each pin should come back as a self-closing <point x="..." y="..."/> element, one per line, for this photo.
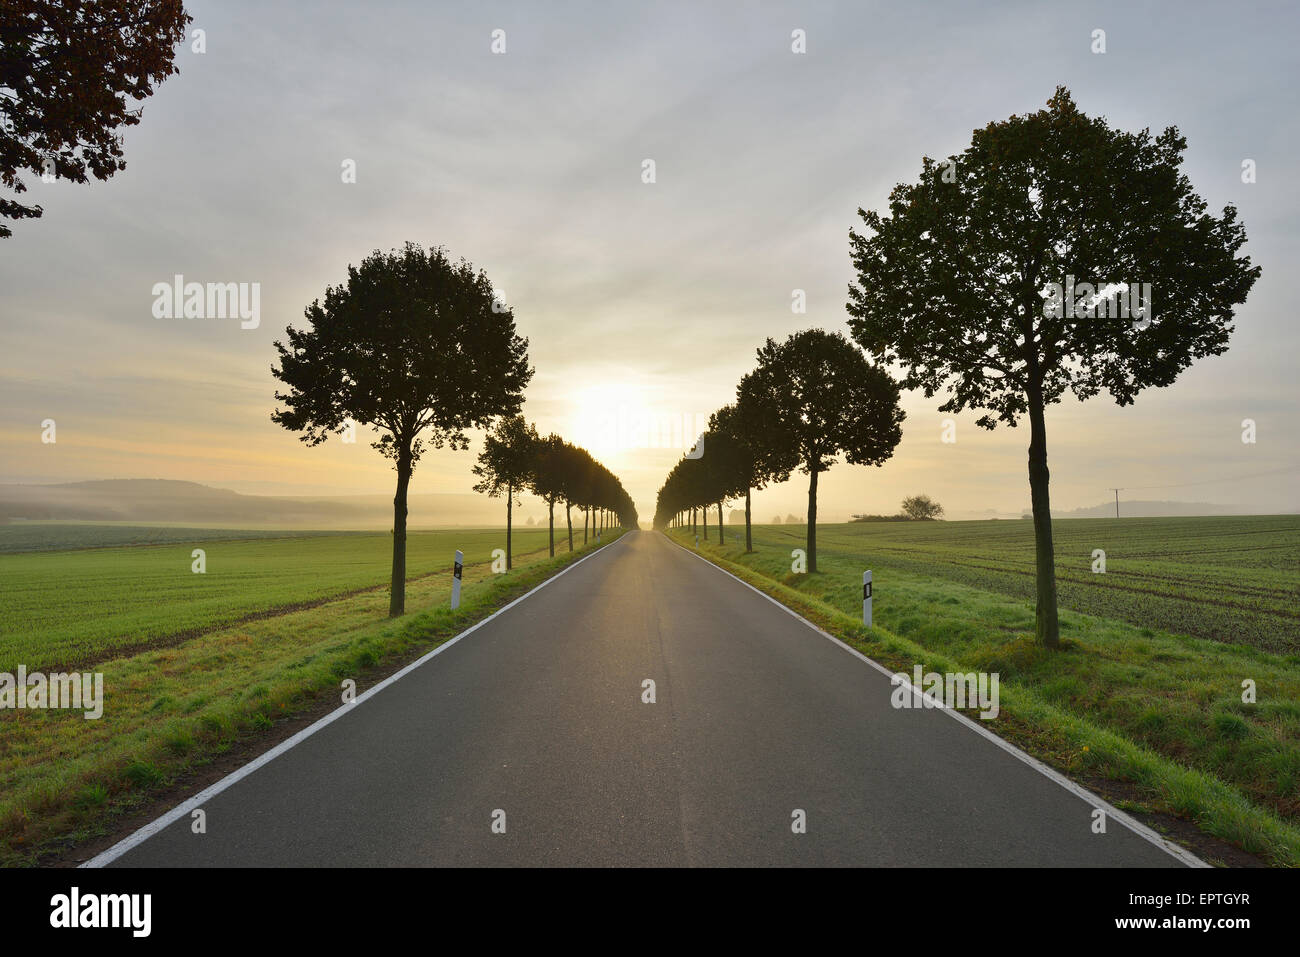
<point x="165" y="501"/>
<point x="1138" y="509"/>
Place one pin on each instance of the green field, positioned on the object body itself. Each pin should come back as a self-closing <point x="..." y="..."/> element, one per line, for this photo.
<point x="194" y="665"/>
<point x="72" y="608"/>
<point x="62" y="536"/>
<point x="1232" y="579"/>
<point x="1148" y="688"/>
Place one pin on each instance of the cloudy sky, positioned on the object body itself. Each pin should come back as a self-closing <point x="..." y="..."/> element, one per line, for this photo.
<point x="649" y="299"/>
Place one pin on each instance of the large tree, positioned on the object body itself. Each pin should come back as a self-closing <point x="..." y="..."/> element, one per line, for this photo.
<point x="955" y="283"/>
<point x="71" y="75"/>
<point x="823" y="399"/>
<point x="414" y="345"/>
<point x="505" y="466"/>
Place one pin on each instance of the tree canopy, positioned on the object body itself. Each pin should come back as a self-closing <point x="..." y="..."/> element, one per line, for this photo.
<point x="954" y="282"/>
<point x="812" y="398"/>
<point x="505" y="466"/>
<point x="821" y="399"/>
<point x="414" y="345"/>
<point x="921" y="508"/>
<point x="68" y="72"/>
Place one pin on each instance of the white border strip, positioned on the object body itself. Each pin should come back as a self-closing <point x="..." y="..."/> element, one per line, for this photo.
<point x="183" y="809"/>
<point x="1137" y="827"/>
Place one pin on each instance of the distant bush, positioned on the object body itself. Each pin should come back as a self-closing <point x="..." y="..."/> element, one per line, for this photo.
<point x="916" y="508"/>
<point x="921" y="508"/>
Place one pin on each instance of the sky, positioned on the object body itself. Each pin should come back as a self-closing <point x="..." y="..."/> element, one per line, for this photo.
<point x="638" y="299"/>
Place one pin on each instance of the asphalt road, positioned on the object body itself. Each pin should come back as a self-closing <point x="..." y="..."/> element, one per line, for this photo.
<point x="539" y="714"/>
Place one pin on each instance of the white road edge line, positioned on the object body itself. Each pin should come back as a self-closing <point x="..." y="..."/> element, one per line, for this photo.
<point x="185" y="807"/>
<point x="1112" y="812"/>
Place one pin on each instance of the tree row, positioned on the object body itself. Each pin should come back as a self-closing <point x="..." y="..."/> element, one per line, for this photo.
<point x="515" y="459"/>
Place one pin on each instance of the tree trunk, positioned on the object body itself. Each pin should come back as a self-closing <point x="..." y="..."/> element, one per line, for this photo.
<point x="812" y="522"/>
<point x="721" y="534"/>
<point x="1047" y="623"/>
<point x="586" y="513"/>
<point x="510" y="503"/>
<point x="749" y="539"/>
<point x="397" y="590"/>
<point x="568" y="518"/>
<point x="704" y="520"/>
<point x="550" y="509"/>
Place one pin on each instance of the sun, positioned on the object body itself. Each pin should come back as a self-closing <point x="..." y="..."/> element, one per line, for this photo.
<point x="603" y="418"/>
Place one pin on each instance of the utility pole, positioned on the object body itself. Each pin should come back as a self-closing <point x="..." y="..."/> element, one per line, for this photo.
<point x="1116" y="491"/>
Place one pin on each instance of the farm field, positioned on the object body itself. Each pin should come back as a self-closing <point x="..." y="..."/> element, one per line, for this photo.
<point x="1149" y="667"/>
<point x="1232" y="579"/>
<point x="50" y="536"/>
<point x="73" y="608"/>
<point x="173" y="702"/>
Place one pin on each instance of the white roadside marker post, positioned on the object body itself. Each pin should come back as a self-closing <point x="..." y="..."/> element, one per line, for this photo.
<point x="866" y="598"/>
<point x="455" y="580"/>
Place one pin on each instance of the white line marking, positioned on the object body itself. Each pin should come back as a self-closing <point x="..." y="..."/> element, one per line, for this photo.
<point x="1112" y="812"/>
<point x="184" y="808"/>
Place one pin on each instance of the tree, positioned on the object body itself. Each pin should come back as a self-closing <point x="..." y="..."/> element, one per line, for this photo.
<point x="506" y="466"/>
<point x="548" y="478"/>
<point x="921" y="508"/>
<point x="413" y="345"/>
<point x="749" y="453"/>
<point x="822" y="398"/>
<point x="66" y="73"/>
<point x="953" y="284"/>
<point x="576" y="468"/>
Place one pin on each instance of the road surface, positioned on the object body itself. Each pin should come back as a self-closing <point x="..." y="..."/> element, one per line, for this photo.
<point x="539" y="714"/>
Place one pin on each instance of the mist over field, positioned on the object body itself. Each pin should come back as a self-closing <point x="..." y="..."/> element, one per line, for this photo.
<point x="147" y="501"/>
<point x="156" y="500"/>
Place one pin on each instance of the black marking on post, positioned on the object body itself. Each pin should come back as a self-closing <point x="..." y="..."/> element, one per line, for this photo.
<point x="866" y="590"/>
<point x="456" y="570"/>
